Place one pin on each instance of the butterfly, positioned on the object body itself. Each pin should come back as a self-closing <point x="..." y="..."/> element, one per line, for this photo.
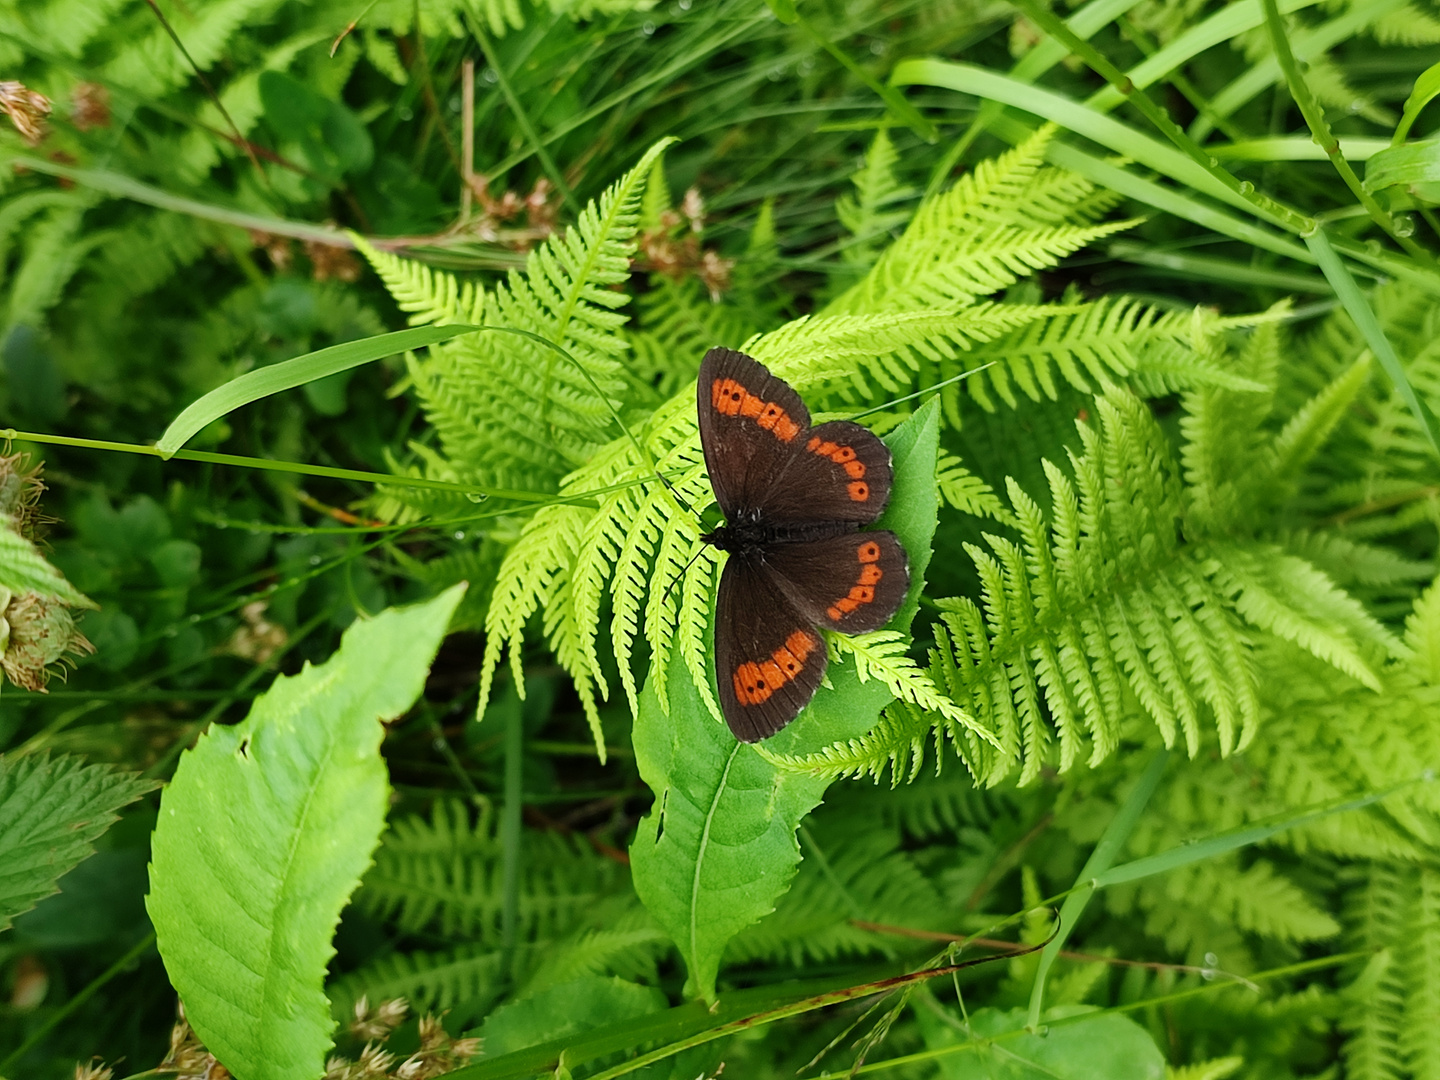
<point x="794" y="499"/>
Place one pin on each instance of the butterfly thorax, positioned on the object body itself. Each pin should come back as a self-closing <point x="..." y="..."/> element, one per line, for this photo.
<point x="750" y="532"/>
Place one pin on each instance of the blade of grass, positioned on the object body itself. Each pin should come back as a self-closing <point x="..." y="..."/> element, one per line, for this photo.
<point x="1368" y="323"/>
<point x="968" y="79"/>
<point x="1045" y="55"/>
<point x="906" y="113"/>
<point x="297" y="371"/>
<point x="1427" y="86"/>
<point x="1107" y="131"/>
<point x="1226" y="842"/>
<point x="1307" y="45"/>
<point x="1116" y="834"/>
<point x="518" y="110"/>
<point x="124" y="187"/>
<point x="1294" y="148"/>
<point x="1211" y="268"/>
<point x="1216" y="179"/>
<point x="1320" y="129"/>
<point x="1226" y="24"/>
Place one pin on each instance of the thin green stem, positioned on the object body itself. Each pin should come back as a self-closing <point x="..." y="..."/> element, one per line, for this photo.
<point x="273" y="465"/>
<point x="65" y="1011"/>
<point x="928" y="1056"/>
<point x="1315" y="117"/>
<point x="905" y="112"/>
<point x="510" y="836"/>
<point x="522" y="117"/>
<point x="1116" y="835"/>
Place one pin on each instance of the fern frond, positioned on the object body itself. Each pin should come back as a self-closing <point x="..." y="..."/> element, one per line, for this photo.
<point x="528" y="579"/>
<point x="965" y="491"/>
<point x="433" y="981"/>
<point x="508" y="410"/>
<point x="874" y="210"/>
<point x="978" y="238"/>
<point x="811" y="352"/>
<point x="1376" y="912"/>
<point x="1112" y="602"/>
<point x="430" y="297"/>
<point x="445" y="872"/>
<point x="895" y="741"/>
<point x="1090" y="345"/>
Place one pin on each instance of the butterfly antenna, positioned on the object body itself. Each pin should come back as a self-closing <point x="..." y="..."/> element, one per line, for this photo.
<point x="639" y="446"/>
<point x="680" y="576"/>
<point x="926" y="390"/>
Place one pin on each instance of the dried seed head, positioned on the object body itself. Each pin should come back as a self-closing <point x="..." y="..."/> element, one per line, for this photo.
<point x="35" y="633"/>
<point x="90" y="106"/>
<point x="328" y="261"/>
<point x="26" y="108"/>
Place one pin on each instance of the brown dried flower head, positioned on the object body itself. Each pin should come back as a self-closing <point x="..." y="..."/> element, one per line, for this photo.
<point x="26" y="108"/>
<point x="36" y="632"/>
<point x="277" y="247"/>
<point x="188" y="1059"/>
<point x="693" y="207"/>
<point x="258" y="639"/>
<point x="328" y="261"/>
<point x="94" y="1069"/>
<point x="90" y="106"/>
<point x="379" y="1022"/>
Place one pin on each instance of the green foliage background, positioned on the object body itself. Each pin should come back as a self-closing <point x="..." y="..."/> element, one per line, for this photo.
<point x="1188" y="504"/>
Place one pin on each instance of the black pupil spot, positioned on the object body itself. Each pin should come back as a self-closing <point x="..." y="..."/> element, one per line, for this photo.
<point x="735" y="396"/>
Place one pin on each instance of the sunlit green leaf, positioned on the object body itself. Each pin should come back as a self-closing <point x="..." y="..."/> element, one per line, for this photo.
<point x="264" y="834"/>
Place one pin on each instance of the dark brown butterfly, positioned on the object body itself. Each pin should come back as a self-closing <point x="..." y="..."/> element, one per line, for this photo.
<point x="794" y="499"/>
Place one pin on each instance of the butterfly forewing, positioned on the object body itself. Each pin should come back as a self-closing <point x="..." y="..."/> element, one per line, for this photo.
<point x="839" y="472"/>
<point x="751" y="425"/>
<point x="768" y="658"/>
<point x="852" y="583"/>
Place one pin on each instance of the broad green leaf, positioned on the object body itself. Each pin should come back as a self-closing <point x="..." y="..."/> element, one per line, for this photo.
<point x="719" y="846"/>
<point x="23" y="569"/>
<point x="1108" y="1047"/>
<point x="1427" y="86"/>
<point x="288" y="374"/>
<point x="264" y="834"/>
<point x="1414" y="167"/>
<point x="50" y="814"/>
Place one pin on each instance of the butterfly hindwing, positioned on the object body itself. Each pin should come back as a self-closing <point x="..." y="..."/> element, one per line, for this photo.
<point x="853" y="583"/>
<point x="768" y="659"/>
<point x="751" y="425"/>
<point x="841" y="472"/>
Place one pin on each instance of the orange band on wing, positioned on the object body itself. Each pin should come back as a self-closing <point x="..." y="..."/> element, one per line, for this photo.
<point x="844" y="456"/>
<point x="730" y="398"/>
<point x="867" y="554"/>
<point x="755" y="682"/>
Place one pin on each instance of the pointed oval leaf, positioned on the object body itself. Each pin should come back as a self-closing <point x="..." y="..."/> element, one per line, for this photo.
<point x="264" y="834"/>
<point x="719" y="846"/>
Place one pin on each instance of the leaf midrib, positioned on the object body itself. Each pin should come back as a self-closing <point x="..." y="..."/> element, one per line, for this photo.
<point x="705" y="847"/>
<point x="269" y="1007"/>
